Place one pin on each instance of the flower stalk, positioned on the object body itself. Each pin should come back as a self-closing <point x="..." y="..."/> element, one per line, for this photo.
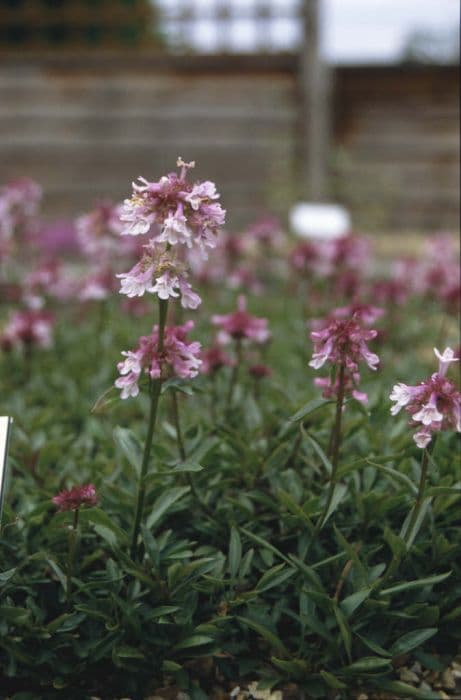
<point x="155" y="388"/>
<point x="71" y="557"/>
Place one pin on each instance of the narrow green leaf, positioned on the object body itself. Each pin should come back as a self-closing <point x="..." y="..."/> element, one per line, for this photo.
<point x="235" y="552"/>
<point x="164" y="503"/>
<point x="418" y="583"/>
<point x="104" y="525"/>
<point x="352" y="602"/>
<point x="266" y="634"/>
<point x="186" y="467"/>
<point x="406" y="691"/>
<point x="308" y="408"/>
<point x="265" y="544"/>
<point x="344" y="630"/>
<point x="332" y="681"/>
<point x="275" y="576"/>
<point x="196" y="640"/>
<point x="129" y="444"/>
<point x="325" y="461"/>
<point x="367" y="664"/>
<point x="411" y="640"/>
<point x="338" y="495"/>
<point x="295" y="509"/>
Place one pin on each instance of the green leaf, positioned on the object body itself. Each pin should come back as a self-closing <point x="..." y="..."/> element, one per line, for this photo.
<point x="171" y="666"/>
<point x="235" y="552"/>
<point x="104" y="525"/>
<point x="410" y="536"/>
<point x="308" y="408"/>
<point x="59" y="573"/>
<point x="406" y="691"/>
<point x="129" y="444"/>
<point x="367" y="664"/>
<point x="265" y="544"/>
<point x="332" y="681"/>
<point x="186" y="466"/>
<point x="266" y="634"/>
<point x="411" y="640"/>
<point x="352" y="602"/>
<point x="161" y="611"/>
<point x="195" y="640"/>
<point x="370" y="644"/>
<point x="338" y="494"/>
<point x="418" y="583"/>
<point x="164" y="503"/>
<point x="344" y="631"/>
<point x="275" y="576"/>
<point x="127" y="652"/>
<point x="295" y="509"/>
<point x="325" y="461"/>
<point x="5" y="576"/>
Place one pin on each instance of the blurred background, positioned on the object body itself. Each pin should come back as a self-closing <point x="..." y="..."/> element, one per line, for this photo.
<point x="349" y="101"/>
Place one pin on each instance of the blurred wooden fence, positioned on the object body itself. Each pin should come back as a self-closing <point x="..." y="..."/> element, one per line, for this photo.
<point x="86" y="125"/>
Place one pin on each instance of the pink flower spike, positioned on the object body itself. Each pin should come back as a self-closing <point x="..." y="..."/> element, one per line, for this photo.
<point x="76" y="497"/>
<point x="433" y="405"/>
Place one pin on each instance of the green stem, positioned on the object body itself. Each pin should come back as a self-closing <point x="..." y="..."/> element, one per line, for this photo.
<point x="177" y="424"/>
<point x="419" y="496"/>
<point x="335" y="442"/>
<point x="71" y="557"/>
<point x="155" y="388"/>
<point x="235" y="372"/>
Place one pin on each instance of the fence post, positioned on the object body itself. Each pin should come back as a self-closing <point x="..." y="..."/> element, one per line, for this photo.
<point x="315" y="105"/>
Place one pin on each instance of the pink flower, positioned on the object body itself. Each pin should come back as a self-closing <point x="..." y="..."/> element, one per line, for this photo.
<point x="186" y="214"/>
<point x="343" y="342"/>
<point x="213" y="359"/>
<point x="179" y="358"/>
<point x="76" y="497"/>
<point x="433" y="404"/>
<point x="139" y="279"/>
<point x="27" y="328"/>
<point x="240" y="324"/>
<point x="259" y="371"/>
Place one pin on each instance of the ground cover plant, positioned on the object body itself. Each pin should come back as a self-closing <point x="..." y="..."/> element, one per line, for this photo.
<point x="237" y="461"/>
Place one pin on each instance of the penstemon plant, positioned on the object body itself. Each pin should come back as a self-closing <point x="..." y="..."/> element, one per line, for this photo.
<point x="433" y="405"/>
<point x="176" y="215"/>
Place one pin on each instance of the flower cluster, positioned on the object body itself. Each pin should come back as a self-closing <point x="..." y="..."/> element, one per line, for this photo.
<point x="433" y="405"/>
<point x="214" y="359"/>
<point x="27" y="328"/>
<point x="343" y="342"/>
<point x="76" y="497"/>
<point x="177" y="358"/>
<point x="240" y="325"/>
<point x="173" y="212"/>
<point x="19" y="202"/>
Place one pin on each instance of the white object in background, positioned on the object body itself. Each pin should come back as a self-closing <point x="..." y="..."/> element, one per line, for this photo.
<point x="5" y="425"/>
<point x="323" y="221"/>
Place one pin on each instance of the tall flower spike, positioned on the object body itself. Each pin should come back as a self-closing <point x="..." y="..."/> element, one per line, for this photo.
<point x="433" y="405"/>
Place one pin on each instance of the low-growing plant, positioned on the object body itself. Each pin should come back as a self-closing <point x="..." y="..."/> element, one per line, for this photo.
<point x="239" y="527"/>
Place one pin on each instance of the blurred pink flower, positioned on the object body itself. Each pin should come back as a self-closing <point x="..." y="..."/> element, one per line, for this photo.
<point x="27" y="328"/>
<point x="213" y="359"/>
<point x="76" y="497"/>
<point x="240" y="324"/>
<point x="433" y="404"/>
<point x="259" y="371"/>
